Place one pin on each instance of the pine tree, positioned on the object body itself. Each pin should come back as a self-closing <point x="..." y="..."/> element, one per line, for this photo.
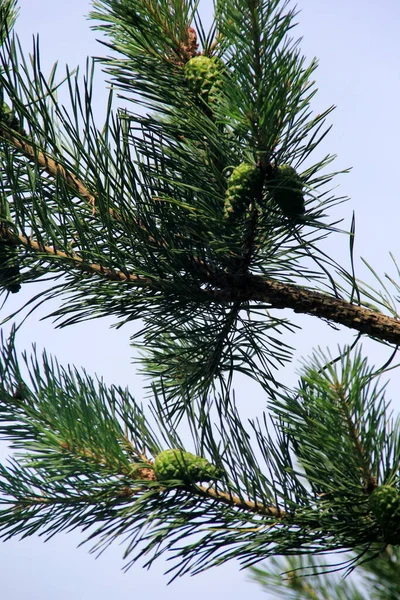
<point x="202" y="215"/>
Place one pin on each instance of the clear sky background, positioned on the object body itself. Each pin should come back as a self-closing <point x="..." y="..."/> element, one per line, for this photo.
<point x="358" y="47"/>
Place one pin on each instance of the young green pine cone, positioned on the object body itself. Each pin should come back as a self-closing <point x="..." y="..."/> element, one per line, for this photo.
<point x="286" y="189"/>
<point x="9" y="269"/>
<point x="243" y="186"/>
<point x="384" y="503"/>
<point x="10" y="277"/>
<point x="205" y="77"/>
<point x="7" y="115"/>
<point x="178" y="464"/>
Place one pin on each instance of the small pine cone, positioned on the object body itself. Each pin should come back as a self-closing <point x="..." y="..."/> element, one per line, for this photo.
<point x="244" y="185"/>
<point x="205" y="77"/>
<point x="384" y="503"/>
<point x="286" y="188"/>
<point x="10" y="278"/>
<point x="21" y="392"/>
<point x="187" y="467"/>
<point x="7" y="115"/>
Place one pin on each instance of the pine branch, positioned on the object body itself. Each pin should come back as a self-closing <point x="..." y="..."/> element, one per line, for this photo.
<point x="77" y="262"/>
<point x="69" y="470"/>
<point x="195" y="219"/>
<point x="219" y="286"/>
<point x="43" y="161"/>
<point x="301" y="300"/>
<point x="305" y="578"/>
<point x="277" y="295"/>
<point x="87" y="456"/>
<point x="309" y="578"/>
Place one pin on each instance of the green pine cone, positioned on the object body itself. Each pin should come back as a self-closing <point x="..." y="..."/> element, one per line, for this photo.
<point x="178" y="464"/>
<point x="10" y="278"/>
<point x="384" y="503"/>
<point x="243" y="186"/>
<point x="286" y="189"/>
<point x="205" y="76"/>
<point x="7" y="115"/>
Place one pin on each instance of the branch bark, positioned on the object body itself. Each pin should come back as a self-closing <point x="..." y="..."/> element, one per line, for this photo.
<point x="45" y="162"/>
<point x="309" y="302"/>
<point x="254" y="288"/>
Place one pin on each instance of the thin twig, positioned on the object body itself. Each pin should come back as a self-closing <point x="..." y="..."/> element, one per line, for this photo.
<point x="80" y="263"/>
<point x="270" y="511"/>
<point x="45" y="162"/>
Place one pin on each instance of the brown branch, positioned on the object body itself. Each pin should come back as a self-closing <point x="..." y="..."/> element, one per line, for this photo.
<point x="213" y="494"/>
<point x="128" y="492"/>
<point x="269" y="511"/>
<point x="254" y="288"/>
<point x="51" y="166"/>
<point x="54" y="169"/>
<point x="83" y="265"/>
<point x="343" y="404"/>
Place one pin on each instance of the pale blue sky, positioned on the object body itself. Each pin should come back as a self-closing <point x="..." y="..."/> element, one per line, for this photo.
<point x="358" y="48"/>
